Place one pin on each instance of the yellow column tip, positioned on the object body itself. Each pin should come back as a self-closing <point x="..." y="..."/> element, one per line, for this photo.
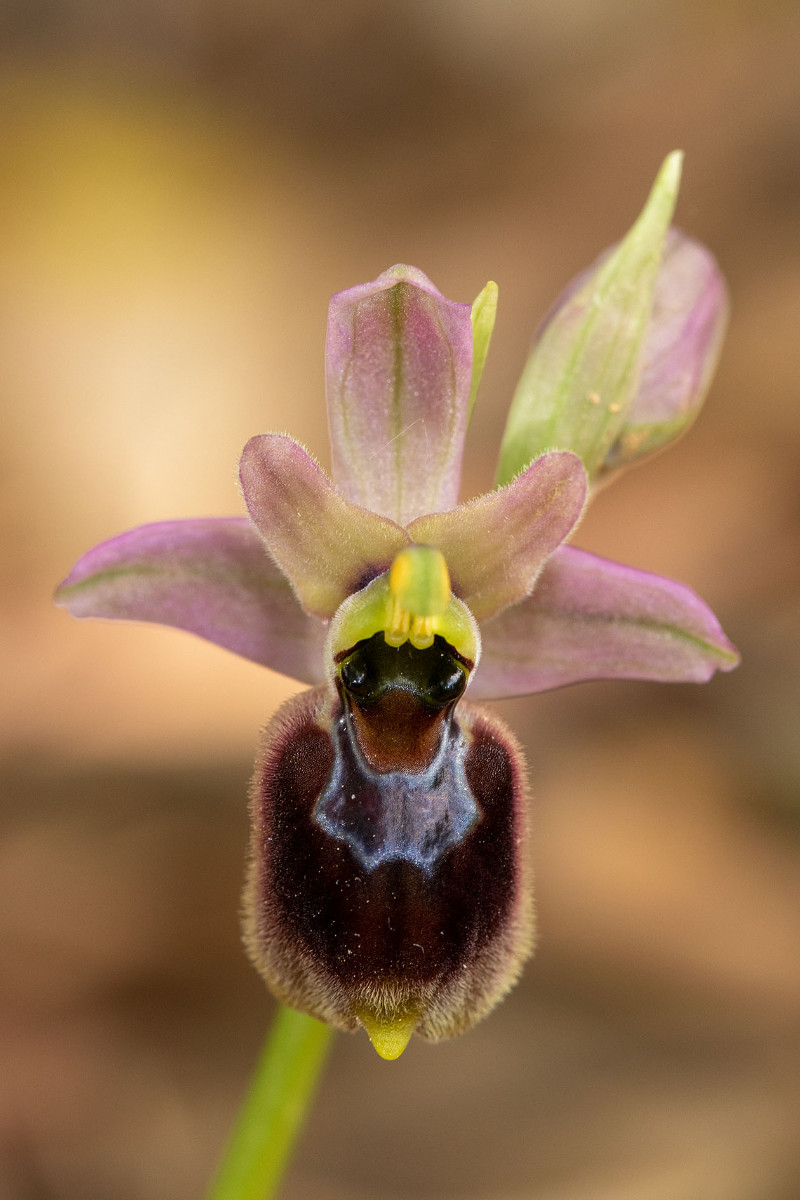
<point x="419" y="581"/>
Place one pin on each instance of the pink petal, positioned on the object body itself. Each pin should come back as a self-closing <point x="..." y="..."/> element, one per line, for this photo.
<point x="211" y="577"/>
<point x="495" y="546"/>
<point x="590" y="618"/>
<point x="681" y="348"/>
<point x="398" y="369"/>
<point x="327" y="547"/>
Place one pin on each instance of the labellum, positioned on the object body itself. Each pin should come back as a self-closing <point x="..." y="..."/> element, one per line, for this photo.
<point x="388" y="883"/>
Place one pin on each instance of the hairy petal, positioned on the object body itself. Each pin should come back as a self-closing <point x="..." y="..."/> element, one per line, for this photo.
<point x="495" y="546"/>
<point x="583" y="372"/>
<point x="398" y="371"/>
<point x="590" y="618"/>
<point x="327" y="547"/>
<point x="209" y="576"/>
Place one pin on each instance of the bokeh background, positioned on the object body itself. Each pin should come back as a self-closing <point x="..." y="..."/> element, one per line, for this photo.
<point x="183" y="184"/>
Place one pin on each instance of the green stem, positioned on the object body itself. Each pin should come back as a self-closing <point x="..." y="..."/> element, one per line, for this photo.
<point x="272" y="1114"/>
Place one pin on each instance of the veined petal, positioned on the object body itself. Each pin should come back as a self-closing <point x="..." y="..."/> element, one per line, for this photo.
<point x="495" y="546"/>
<point x="211" y="577"/>
<point x="398" y="370"/>
<point x="681" y="348"/>
<point x="327" y="547"/>
<point x="583" y="372"/>
<point x="590" y="618"/>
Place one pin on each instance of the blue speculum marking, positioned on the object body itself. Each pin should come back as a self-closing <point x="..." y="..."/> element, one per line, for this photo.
<point x="397" y="815"/>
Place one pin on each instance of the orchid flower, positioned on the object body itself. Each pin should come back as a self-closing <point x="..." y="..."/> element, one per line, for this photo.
<point x="389" y="884"/>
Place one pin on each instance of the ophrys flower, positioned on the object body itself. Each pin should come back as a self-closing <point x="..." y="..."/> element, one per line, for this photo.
<point x="389" y="884"/>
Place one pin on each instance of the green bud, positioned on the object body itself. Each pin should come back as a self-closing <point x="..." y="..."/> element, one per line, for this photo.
<point x="583" y="373"/>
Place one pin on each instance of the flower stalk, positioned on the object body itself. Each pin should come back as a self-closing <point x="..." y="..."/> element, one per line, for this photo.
<point x="272" y="1115"/>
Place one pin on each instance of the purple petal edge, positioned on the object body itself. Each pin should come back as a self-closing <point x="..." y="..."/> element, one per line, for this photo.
<point x="590" y="618"/>
<point x="687" y="324"/>
<point x="209" y="576"/>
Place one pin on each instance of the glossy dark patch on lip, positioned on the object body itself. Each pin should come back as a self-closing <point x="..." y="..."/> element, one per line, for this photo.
<point x="416" y="815"/>
<point x="376" y="663"/>
<point x="397" y="732"/>
<point x="396" y="698"/>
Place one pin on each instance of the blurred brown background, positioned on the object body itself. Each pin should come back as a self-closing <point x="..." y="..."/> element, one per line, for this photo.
<point x="182" y="186"/>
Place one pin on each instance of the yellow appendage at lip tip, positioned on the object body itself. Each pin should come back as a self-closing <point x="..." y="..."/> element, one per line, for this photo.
<point x="419" y="583"/>
<point x="389" y="1036"/>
